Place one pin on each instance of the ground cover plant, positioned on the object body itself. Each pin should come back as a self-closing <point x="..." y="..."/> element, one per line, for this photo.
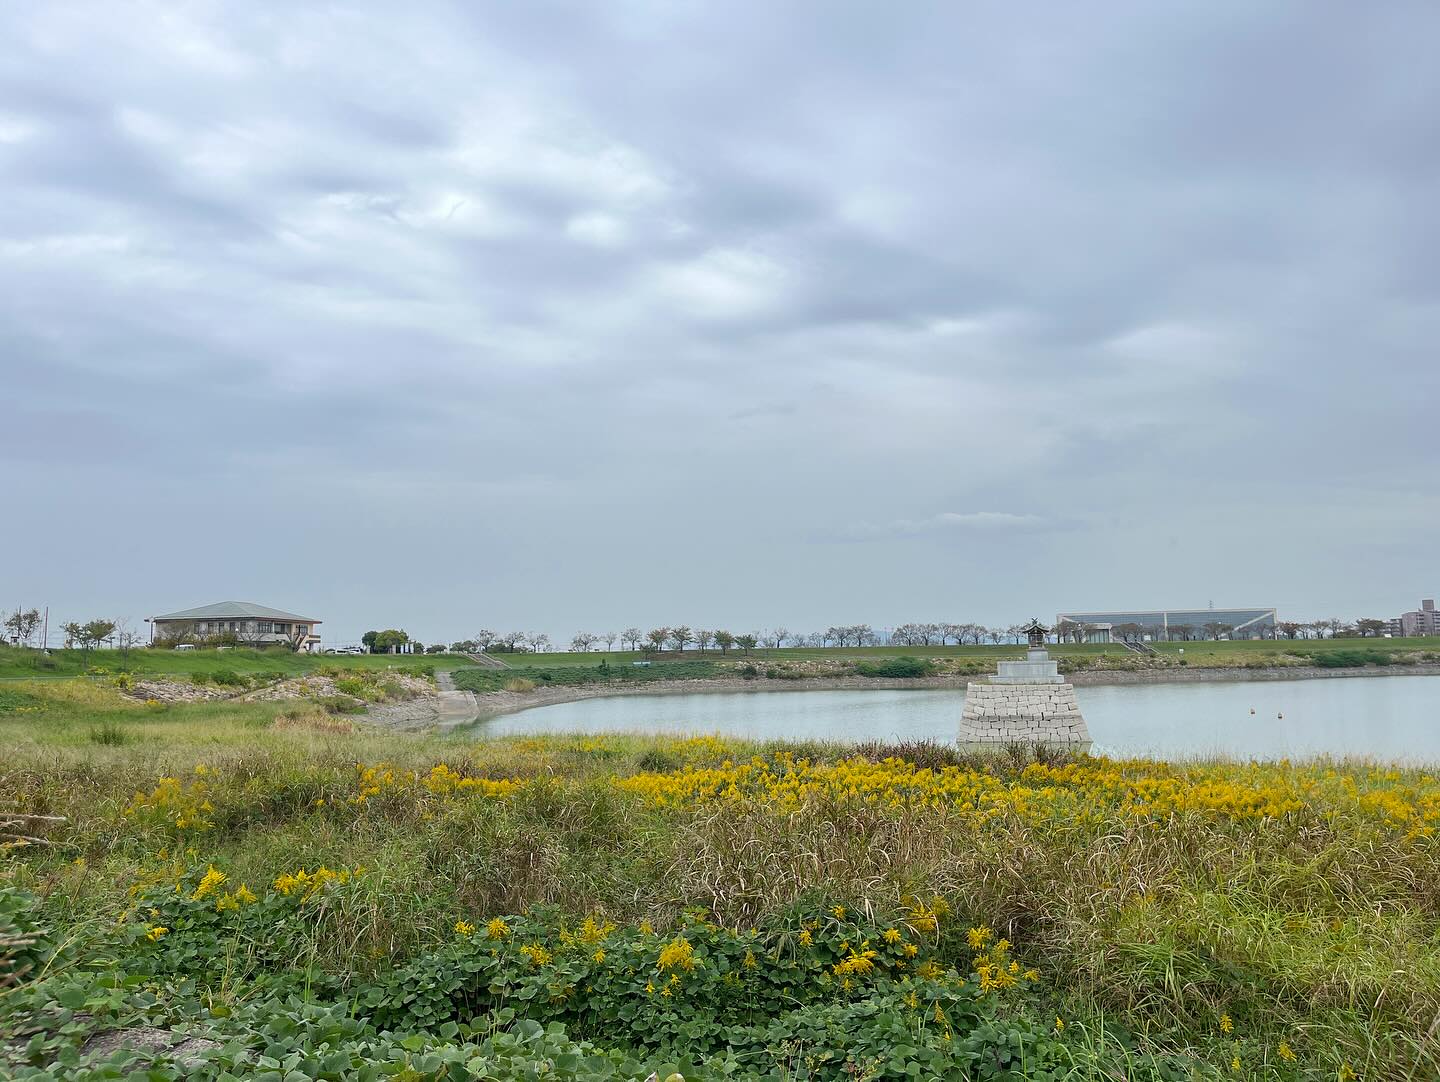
<point x="296" y="899"/>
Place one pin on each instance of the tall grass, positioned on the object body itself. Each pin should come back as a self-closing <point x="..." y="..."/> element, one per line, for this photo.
<point x="1321" y="926"/>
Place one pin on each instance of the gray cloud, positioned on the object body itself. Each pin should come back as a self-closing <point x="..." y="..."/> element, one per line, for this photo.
<point x="468" y="315"/>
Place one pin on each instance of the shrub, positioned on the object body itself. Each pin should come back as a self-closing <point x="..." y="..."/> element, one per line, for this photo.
<point x="109" y="733"/>
<point x="1351" y="659"/>
<point x="228" y="678"/>
<point x="774" y="672"/>
<point x="355" y="686"/>
<point x="519" y="683"/>
<point x="896" y="667"/>
<point x="656" y="761"/>
<point x="199" y="679"/>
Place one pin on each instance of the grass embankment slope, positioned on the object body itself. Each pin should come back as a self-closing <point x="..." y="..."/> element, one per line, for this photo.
<point x="569" y="669"/>
<point x="1204" y="654"/>
<point x="19" y="664"/>
<point x="329" y="903"/>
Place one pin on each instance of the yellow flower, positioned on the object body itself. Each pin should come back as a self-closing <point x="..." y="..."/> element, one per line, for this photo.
<point x="838" y="912"/>
<point x="226" y="901"/>
<point x="646" y="928"/>
<point x="464" y="929"/>
<point x="537" y="954"/>
<point x="244" y="895"/>
<point x="806" y="939"/>
<point x="156" y="932"/>
<point x="1235" y="1064"/>
<point x="649" y="988"/>
<point x="892" y="935"/>
<point x="749" y="962"/>
<point x="978" y="937"/>
<point x="677" y="954"/>
<point x="1059" y="1024"/>
<point x="599" y="956"/>
<point x="1285" y="1052"/>
<point x="1226" y="1026"/>
<point x="1345" y="1074"/>
<point x="496" y="929"/>
<point x="911" y="950"/>
<point x="209" y="884"/>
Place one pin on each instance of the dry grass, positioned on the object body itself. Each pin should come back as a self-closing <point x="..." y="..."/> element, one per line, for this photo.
<point x="1321" y="926"/>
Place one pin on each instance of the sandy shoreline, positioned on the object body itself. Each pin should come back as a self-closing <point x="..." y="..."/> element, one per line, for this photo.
<point x="435" y="712"/>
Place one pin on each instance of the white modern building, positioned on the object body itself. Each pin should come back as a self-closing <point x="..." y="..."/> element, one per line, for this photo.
<point x="1164" y="625"/>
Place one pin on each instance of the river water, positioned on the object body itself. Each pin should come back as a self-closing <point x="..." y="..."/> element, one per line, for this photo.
<point x="1384" y="717"/>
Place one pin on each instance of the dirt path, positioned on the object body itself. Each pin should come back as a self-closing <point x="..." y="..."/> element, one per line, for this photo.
<point x="444" y="710"/>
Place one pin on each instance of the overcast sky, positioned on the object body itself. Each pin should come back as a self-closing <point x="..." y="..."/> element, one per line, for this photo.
<point x="576" y="316"/>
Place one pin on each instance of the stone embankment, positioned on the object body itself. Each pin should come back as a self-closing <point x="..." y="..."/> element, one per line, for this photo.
<point x="1022" y="713"/>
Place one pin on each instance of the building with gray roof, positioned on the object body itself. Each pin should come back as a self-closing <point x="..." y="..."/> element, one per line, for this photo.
<point x="246" y="623"/>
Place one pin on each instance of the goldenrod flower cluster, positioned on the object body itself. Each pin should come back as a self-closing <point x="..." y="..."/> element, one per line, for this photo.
<point x="305" y="885"/>
<point x="1087" y="790"/>
<point x="677" y="954"/>
<point x="186" y="806"/>
<point x="441" y="780"/>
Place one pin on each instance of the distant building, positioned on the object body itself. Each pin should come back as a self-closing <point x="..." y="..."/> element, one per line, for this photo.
<point x="1423" y="621"/>
<point x="1166" y="625"/>
<point x="250" y="624"/>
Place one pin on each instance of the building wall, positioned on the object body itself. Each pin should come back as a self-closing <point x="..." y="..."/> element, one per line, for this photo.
<point x="257" y="631"/>
<point x="1160" y="624"/>
<point x="1423" y="621"/>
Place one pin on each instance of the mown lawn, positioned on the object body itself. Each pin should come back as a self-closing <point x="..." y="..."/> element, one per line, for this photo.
<point x="331" y="901"/>
<point x="23" y="664"/>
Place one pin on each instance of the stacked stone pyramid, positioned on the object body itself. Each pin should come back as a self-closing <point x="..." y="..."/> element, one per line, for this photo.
<point x="1025" y="702"/>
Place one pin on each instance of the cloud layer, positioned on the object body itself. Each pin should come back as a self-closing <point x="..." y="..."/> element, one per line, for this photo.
<point x="553" y="314"/>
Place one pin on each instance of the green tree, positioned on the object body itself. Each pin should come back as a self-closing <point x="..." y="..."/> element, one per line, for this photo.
<point x="368" y="640"/>
<point x="724" y="640"/>
<point x="746" y="642"/>
<point x="388" y="640"/>
<point x="88" y="635"/>
<point x="21" y="625"/>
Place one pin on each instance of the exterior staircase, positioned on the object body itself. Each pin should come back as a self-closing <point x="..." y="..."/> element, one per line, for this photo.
<point x="486" y="661"/>
<point x="1136" y="647"/>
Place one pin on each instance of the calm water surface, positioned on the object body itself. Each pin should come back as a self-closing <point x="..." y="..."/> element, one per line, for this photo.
<point x="1389" y="717"/>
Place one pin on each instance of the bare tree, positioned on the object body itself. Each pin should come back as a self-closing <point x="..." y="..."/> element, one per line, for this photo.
<point x="609" y="637"/>
<point x="775" y="639"/>
<point x="484" y="638"/>
<point x="703" y="639"/>
<point x="539" y="643"/>
<point x="583" y="642"/>
<point x="631" y="637"/>
<point x="126" y="639"/>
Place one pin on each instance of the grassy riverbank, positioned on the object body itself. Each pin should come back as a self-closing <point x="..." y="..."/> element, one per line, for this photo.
<point x="23" y="664"/>
<point x="728" y="908"/>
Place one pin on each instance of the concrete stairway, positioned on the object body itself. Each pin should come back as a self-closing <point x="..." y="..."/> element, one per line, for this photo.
<point x="486" y="661"/>
<point x="1136" y="647"/>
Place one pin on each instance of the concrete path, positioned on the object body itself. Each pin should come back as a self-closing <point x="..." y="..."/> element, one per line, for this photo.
<point x="455" y="707"/>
